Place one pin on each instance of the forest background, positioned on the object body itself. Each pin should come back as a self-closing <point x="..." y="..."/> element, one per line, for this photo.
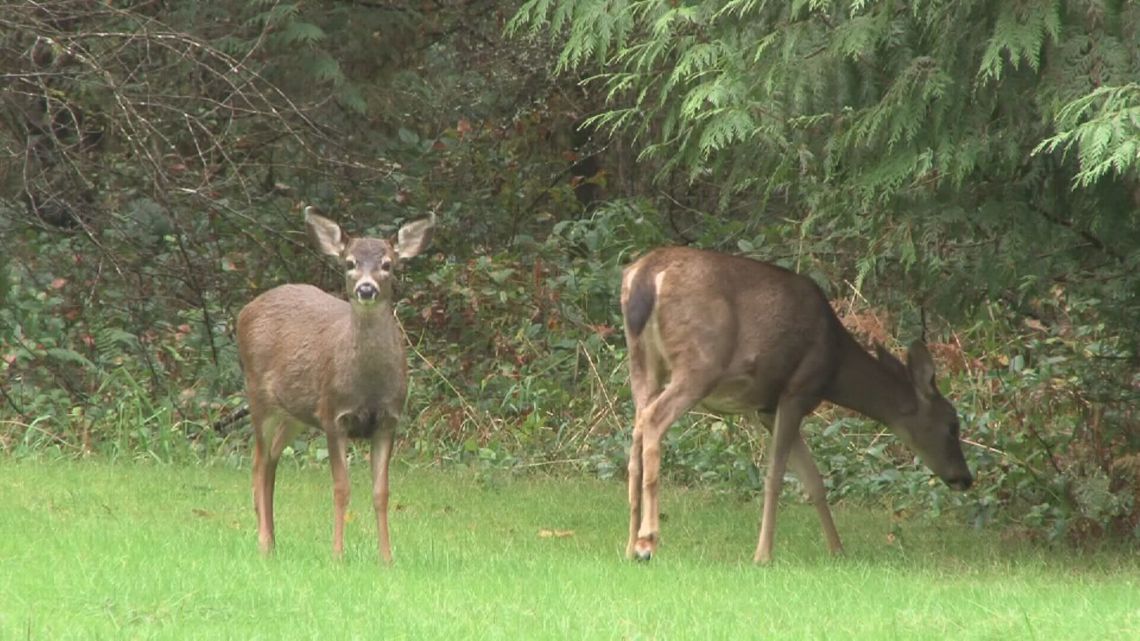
<point x="963" y="171"/>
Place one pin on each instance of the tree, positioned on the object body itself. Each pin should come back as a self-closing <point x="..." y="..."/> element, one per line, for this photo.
<point x="931" y="140"/>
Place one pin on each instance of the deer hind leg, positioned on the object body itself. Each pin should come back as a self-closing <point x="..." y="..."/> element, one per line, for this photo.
<point x="677" y="398"/>
<point x="646" y="371"/>
<point x="634" y="491"/>
<point x="264" y="520"/>
<point x="381" y="455"/>
<point x="645" y="385"/>
<point x="785" y="433"/>
<point x="272" y="432"/>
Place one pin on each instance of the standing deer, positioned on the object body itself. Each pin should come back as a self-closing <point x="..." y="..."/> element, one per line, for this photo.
<point x="737" y="335"/>
<point x="311" y="359"/>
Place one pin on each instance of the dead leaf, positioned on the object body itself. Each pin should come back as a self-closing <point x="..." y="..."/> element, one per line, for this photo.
<point x="554" y="534"/>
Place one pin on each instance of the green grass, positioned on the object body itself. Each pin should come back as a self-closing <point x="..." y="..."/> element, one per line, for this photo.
<point x="133" y="551"/>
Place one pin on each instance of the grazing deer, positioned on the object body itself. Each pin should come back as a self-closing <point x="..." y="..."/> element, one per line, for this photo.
<point x="311" y="359"/>
<point x="737" y="335"/>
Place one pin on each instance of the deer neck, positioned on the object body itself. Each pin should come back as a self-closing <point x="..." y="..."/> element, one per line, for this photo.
<point x="865" y="385"/>
<point x="372" y="333"/>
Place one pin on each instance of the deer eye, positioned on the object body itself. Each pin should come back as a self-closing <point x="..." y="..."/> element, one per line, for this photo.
<point x="386" y="266"/>
<point x="350" y="263"/>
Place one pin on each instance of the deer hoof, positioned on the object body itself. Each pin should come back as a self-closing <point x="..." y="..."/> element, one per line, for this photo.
<point x="643" y="550"/>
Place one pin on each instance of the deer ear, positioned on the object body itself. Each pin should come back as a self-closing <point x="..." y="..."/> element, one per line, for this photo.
<point x="921" y="367"/>
<point x="326" y="234"/>
<point x="414" y="237"/>
<point x="888" y="359"/>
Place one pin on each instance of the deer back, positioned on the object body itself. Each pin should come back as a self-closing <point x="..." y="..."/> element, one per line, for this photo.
<point x="762" y="329"/>
<point x="752" y="333"/>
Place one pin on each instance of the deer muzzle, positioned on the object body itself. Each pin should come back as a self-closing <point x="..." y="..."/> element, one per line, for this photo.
<point x="961" y="484"/>
<point x="367" y="291"/>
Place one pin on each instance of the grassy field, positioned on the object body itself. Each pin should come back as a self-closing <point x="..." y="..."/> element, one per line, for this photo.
<point x="132" y="551"/>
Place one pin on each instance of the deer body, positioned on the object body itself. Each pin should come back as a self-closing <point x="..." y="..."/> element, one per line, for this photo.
<point x="313" y="360"/>
<point x="741" y="336"/>
<point x="360" y="361"/>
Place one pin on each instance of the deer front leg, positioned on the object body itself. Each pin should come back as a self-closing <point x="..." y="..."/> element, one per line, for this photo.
<point x="803" y="465"/>
<point x="381" y="455"/>
<point x="338" y="461"/>
<point x="784" y="434"/>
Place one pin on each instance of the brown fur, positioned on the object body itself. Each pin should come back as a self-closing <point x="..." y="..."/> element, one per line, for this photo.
<point x="741" y="336"/>
<point x="313" y="360"/>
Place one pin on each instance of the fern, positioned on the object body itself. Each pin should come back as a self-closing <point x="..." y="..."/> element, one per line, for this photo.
<point x="1104" y="126"/>
<point x="874" y="118"/>
<point x="724" y="129"/>
<point x="325" y="68"/>
<point x="1020" y="32"/>
<point x="532" y="14"/>
<point x="349" y="96"/>
<point x="302" y="33"/>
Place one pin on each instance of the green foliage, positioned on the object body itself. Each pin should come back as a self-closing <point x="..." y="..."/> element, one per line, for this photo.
<point x="127" y="259"/>
<point x="527" y="364"/>
<point x="1104" y="126"/>
<point x="1021" y="33"/>
<point x="924" y="154"/>
<point x="965" y="165"/>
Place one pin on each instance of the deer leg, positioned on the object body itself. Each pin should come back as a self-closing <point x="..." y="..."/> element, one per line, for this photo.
<point x="644" y="383"/>
<point x="268" y="432"/>
<point x="803" y="465"/>
<point x="264" y="521"/>
<point x="381" y="455"/>
<point x="784" y="434"/>
<point x="634" y="492"/>
<point x="676" y="399"/>
<point x="338" y="461"/>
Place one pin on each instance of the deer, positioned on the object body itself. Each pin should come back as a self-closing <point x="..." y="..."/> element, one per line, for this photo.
<point x="312" y="360"/>
<point x="740" y="336"/>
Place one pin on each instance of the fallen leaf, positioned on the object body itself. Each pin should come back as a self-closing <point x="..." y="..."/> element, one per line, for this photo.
<point x="554" y="534"/>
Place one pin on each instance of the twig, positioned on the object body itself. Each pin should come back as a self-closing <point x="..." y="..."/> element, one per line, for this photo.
<point x="53" y="436"/>
<point x="467" y="411"/>
<point x="238" y="414"/>
<point x="602" y="386"/>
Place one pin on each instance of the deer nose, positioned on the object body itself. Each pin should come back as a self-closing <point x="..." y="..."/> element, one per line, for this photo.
<point x="366" y="292"/>
<point x="961" y="484"/>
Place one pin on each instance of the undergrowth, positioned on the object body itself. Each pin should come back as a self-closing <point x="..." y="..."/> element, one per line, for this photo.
<point x="517" y="361"/>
